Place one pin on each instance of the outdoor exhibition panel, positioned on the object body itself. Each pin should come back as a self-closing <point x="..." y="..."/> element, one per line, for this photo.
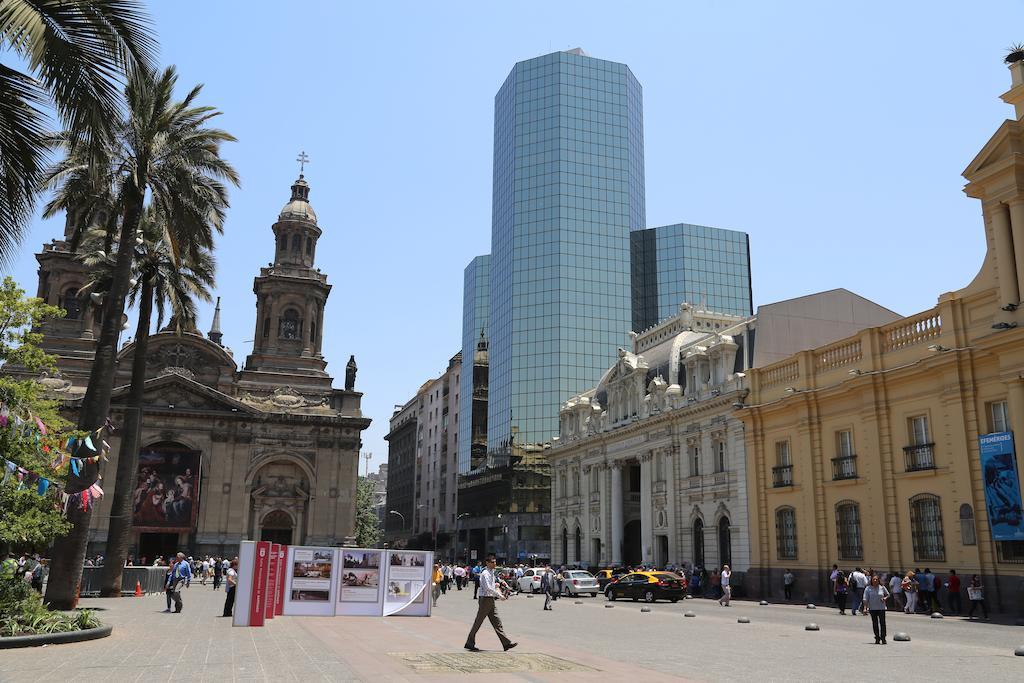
<point x="408" y="582"/>
<point x="360" y="582"/>
<point x="310" y="587"/>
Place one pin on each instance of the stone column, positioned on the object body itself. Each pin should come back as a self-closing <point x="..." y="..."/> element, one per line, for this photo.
<point x="605" y="511"/>
<point x="616" y="505"/>
<point x="585" y="516"/>
<point x="1009" y="292"/>
<point x="646" y="523"/>
<point x="671" y="487"/>
<point x="1017" y="230"/>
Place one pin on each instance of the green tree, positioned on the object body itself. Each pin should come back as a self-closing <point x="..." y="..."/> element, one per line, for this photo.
<point x="167" y="285"/>
<point x="26" y="518"/>
<point x="76" y="51"/>
<point x="367" y="526"/>
<point x="164" y="150"/>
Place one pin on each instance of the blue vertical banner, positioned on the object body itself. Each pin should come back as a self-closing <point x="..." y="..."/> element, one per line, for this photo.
<point x="1002" y="487"/>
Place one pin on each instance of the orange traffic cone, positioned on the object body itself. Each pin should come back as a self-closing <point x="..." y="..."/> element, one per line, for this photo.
<point x="138" y="589"/>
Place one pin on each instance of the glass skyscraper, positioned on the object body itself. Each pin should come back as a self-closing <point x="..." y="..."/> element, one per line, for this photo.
<point x="476" y="301"/>
<point x="568" y="189"/>
<point x="708" y="267"/>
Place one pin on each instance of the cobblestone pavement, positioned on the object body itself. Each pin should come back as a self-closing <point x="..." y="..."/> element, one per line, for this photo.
<point x="584" y="641"/>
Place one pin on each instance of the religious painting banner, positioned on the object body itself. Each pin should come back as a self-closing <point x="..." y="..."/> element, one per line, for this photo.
<point x="166" y="496"/>
<point x="311" y="586"/>
<point x="407" y="582"/>
<point x="1002" y="487"/>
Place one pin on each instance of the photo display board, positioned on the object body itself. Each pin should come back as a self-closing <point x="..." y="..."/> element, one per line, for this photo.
<point x="310" y="586"/>
<point x="407" y="582"/>
<point x="359" y="581"/>
<point x="1002" y="489"/>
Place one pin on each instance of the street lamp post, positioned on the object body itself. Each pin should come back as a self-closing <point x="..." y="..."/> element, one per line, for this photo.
<point x="396" y="512"/>
<point x="458" y="523"/>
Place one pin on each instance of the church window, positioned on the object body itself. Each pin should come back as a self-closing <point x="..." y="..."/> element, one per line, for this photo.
<point x="266" y="328"/>
<point x="296" y="243"/>
<point x="72" y="305"/>
<point x="290" y="325"/>
<point x="309" y="246"/>
<point x="312" y="332"/>
<point x="282" y="243"/>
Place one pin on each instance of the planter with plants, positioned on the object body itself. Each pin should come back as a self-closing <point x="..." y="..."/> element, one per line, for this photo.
<point x="1015" y="53"/>
<point x="25" y="621"/>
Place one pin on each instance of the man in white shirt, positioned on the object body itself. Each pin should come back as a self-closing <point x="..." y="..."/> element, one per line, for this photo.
<point x="858" y="582"/>
<point x="487" y="608"/>
<point x="726" y="575"/>
<point x="460" y="576"/>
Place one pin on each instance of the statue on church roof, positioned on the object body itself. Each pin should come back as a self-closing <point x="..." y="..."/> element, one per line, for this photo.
<point x="350" y="373"/>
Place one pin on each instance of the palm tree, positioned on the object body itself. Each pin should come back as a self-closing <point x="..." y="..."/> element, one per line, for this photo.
<point x="163" y="149"/>
<point x="168" y="285"/>
<point x="78" y="50"/>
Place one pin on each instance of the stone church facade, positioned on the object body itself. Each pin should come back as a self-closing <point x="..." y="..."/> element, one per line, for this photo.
<point x="274" y="445"/>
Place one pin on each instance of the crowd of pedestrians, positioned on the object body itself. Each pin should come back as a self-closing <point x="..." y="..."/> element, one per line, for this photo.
<point x="913" y="592"/>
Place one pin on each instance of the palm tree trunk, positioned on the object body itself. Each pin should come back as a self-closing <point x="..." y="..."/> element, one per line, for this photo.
<point x="69" y="551"/>
<point x="119" y="530"/>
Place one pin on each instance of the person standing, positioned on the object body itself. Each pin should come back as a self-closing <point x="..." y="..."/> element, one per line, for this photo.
<point x="436" y="578"/>
<point x="546" y="586"/>
<point x="475" y="573"/>
<point x="896" y="589"/>
<point x="460" y="576"/>
<point x="167" y="585"/>
<point x="218" y="573"/>
<point x="726" y="588"/>
<point x="787" y="584"/>
<point x="231" y="579"/>
<point x="909" y="586"/>
<point x="487" y="608"/>
<point x="874" y="599"/>
<point x="976" y="594"/>
<point x="953" y="589"/>
<point x="840" y="588"/>
<point x="926" y="588"/>
<point x="858" y="582"/>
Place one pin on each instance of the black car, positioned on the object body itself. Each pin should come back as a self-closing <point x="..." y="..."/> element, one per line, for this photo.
<point x="647" y="586"/>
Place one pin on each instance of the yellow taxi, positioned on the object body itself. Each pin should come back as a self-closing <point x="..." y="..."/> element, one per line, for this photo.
<point x="647" y="586"/>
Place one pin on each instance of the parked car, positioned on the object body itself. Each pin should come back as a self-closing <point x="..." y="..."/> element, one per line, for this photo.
<point x="580" y="582"/>
<point x="647" y="586"/>
<point x="529" y="582"/>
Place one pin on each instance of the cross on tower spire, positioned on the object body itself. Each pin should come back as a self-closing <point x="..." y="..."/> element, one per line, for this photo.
<point x="303" y="159"/>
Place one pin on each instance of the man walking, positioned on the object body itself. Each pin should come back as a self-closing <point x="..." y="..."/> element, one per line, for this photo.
<point x="725" y="576"/>
<point x="546" y="587"/>
<point x="487" y="608"/>
<point x="475" y="573"/>
<point x="181" y="573"/>
<point x="858" y="582"/>
<point x="787" y="584"/>
<point x="460" y="576"/>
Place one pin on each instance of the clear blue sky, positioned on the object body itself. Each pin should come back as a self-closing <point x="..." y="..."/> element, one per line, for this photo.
<point x="833" y="134"/>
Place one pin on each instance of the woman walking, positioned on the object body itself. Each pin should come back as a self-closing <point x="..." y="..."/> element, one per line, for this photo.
<point x="875" y="595"/>
<point x="840" y="587"/>
<point x="976" y="594"/>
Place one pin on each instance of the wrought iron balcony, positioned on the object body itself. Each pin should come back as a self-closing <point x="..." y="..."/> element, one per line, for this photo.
<point x="919" y="457"/>
<point x="844" y="467"/>
<point x="782" y="476"/>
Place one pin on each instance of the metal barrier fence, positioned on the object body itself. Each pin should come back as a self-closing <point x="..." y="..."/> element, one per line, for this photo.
<point x="150" y="578"/>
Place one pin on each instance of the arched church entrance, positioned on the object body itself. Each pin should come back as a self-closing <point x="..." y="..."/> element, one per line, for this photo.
<point x="279" y="503"/>
<point x="632" y="554"/>
<point x="277" y="527"/>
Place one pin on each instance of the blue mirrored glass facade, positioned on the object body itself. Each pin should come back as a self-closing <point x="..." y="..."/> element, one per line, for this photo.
<point x="568" y="189"/>
<point x="476" y="301"/>
<point x="703" y="266"/>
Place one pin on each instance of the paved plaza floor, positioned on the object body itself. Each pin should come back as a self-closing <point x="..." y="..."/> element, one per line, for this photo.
<point x="585" y="641"/>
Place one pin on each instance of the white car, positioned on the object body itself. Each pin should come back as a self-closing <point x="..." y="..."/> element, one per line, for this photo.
<point x="579" y="582"/>
<point x="529" y="582"/>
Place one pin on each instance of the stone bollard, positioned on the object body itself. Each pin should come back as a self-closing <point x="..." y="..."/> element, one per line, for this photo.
<point x="811" y="627"/>
<point x="743" y="620"/>
<point x="609" y="606"/>
<point x="936" y="615"/>
<point x="811" y="606"/>
<point x="689" y="614"/>
<point x="645" y="609"/>
<point x="1019" y="651"/>
<point x="763" y="603"/>
<point x="901" y="637"/>
<point x="578" y="602"/>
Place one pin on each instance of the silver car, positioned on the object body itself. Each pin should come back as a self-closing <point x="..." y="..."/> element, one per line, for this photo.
<point x="579" y="582"/>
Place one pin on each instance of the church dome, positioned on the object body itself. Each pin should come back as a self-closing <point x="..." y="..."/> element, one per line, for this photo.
<point x="298" y="207"/>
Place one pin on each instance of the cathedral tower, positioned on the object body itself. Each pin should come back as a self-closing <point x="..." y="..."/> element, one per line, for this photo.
<point x="290" y="297"/>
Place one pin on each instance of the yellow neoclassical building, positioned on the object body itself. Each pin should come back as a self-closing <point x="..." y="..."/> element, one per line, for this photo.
<point x="868" y="451"/>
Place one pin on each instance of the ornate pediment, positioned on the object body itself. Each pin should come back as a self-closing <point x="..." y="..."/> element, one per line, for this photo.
<point x="178" y="391"/>
<point x="284" y="399"/>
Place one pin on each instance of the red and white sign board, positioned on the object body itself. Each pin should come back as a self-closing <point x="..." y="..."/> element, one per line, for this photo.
<point x="282" y="558"/>
<point x="260" y="569"/>
<point x="271" y="592"/>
